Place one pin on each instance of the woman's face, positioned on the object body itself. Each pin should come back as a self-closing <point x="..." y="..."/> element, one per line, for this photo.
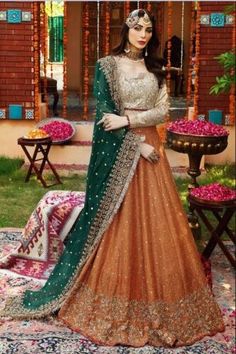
<point x="140" y="34"/>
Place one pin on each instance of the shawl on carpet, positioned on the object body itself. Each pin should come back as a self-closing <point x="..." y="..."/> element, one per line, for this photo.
<point x="41" y="243"/>
<point x="114" y="158"/>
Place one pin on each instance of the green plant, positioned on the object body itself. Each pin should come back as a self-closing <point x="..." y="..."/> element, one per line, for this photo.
<point x="227" y="80"/>
<point x="9" y="165"/>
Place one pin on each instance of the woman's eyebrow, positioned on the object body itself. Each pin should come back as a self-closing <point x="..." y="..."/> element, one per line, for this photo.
<point x="150" y="27"/>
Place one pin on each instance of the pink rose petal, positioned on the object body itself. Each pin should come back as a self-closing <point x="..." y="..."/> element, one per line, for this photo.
<point x="197" y="127"/>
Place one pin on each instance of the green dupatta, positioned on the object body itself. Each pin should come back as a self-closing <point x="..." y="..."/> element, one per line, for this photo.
<point x="113" y="161"/>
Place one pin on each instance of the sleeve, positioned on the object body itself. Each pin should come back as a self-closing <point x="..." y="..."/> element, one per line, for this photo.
<point x="154" y="115"/>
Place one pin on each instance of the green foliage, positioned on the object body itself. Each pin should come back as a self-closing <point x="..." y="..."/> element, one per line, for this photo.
<point x="8" y="166"/>
<point x="227" y="80"/>
<point x="227" y="60"/>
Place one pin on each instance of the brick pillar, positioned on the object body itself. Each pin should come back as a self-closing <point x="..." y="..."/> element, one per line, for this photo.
<point x="213" y="41"/>
<point x="17" y="58"/>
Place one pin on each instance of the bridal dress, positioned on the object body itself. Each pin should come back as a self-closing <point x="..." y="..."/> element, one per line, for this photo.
<point x="130" y="273"/>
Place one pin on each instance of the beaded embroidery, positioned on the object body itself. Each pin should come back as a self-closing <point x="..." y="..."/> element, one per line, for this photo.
<point x="113" y="320"/>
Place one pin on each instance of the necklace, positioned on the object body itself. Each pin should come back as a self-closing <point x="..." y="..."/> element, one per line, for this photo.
<point x="136" y="56"/>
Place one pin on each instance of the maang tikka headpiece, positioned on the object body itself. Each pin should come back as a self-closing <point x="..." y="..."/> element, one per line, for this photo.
<point x="134" y="18"/>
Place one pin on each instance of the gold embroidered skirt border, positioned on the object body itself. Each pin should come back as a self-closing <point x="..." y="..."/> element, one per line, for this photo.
<point x="114" y="320"/>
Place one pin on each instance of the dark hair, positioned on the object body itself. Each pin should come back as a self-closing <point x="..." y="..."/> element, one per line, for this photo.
<point x="153" y="63"/>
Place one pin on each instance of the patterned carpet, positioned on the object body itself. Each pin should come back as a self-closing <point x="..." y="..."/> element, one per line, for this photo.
<point x="49" y="336"/>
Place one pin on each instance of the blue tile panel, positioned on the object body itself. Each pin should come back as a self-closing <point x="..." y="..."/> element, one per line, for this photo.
<point x="215" y="116"/>
<point x="14" y="16"/>
<point x="217" y="19"/>
<point x="15" y="111"/>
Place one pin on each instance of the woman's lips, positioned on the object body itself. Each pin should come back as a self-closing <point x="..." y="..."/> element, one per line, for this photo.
<point x="142" y="42"/>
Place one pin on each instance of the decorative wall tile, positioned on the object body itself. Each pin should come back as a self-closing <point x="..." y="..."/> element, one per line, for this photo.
<point x="3" y="15"/>
<point x="3" y="113"/>
<point x="229" y="19"/>
<point x="217" y="19"/>
<point x="15" y="111"/>
<point x="29" y="113"/>
<point x="201" y="117"/>
<point x="26" y="16"/>
<point x="205" y="19"/>
<point x="227" y="119"/>
<point x="14" y="16"/>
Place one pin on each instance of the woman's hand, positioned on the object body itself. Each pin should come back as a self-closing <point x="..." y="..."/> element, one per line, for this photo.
<point x="112" y="121"/>
<point x="149" y="153"/>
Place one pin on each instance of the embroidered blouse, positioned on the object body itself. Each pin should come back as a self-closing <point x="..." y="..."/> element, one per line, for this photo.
<point x="139" y="90"/>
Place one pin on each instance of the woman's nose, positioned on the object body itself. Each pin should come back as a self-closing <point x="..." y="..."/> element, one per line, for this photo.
<point x="143" y="33"/>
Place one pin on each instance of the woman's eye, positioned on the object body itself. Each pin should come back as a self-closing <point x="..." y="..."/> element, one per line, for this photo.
<point x="137" y="28"/>
<point x="149" y="30"/>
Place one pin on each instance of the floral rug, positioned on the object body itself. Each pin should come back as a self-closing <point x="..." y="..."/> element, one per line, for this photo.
<point x="49" y="336"/>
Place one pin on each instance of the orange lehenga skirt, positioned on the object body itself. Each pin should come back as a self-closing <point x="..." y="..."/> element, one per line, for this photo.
<point x="144" y="283"/>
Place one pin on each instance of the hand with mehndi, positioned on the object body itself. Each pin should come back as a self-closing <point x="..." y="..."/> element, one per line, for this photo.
<point x="112" y="121"/>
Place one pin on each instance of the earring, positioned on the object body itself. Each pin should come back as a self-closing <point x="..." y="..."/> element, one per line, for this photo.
<point x="146" y="52"/>
<point x="127" y="49"/>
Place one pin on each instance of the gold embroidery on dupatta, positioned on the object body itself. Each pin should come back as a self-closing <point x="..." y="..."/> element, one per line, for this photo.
<point x="109" y="67"/>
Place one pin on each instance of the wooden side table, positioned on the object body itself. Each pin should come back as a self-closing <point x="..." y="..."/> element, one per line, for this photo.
<point x="223" y="212"/>
<point x="41" y="146"/>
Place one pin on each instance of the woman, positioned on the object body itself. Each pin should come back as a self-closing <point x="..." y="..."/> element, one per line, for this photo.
<point x="130" y="273"/>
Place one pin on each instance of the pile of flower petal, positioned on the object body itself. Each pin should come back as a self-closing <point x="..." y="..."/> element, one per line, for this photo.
<point x="58" y="131"/>
<point x="197" y="127"/>
<point x="37" y="134"/>
<point x="214" y="192"/>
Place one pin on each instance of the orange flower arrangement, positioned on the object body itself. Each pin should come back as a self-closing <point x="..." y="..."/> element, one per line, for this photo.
<point x="107" y="28"/>
<point x="65" y="40"/>
<point x="169" y="34"/>
<point x="232" y="91"/>
<point x="161" y="128"/>
<point x="44" y="50"/>
<point x="86" y="59"/>
<point x="190" y="68"/>
<point x="36" y="60"/>
<point x="160" y="21"/>
<point x="126" y="8"/>
<point x="197" y="55"/>
<point x="51" y="12"/>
